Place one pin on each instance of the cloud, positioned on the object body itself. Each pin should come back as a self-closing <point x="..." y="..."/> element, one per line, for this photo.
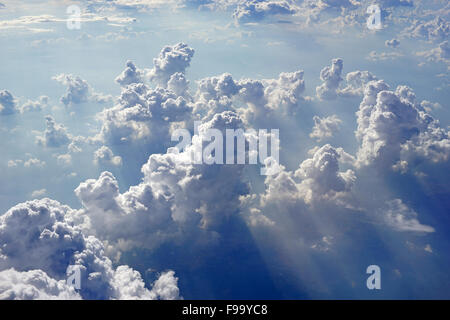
<point x="51" y="239"/>
<point x="130" y="75"/>
<point x="436" y="30"/>
<point x="325" y="127"/>
<point x="166" y="287"/>
<point x="33" y="285"/>
<point x="393" y="43"/>
<point x="78" y="90"/>
<point x="331" y="77"/>
<point x="14" y="163"/>
<point x="33" y="162"/>
<point x="31" y="106"/>
<point x="31" y="23"/>
<point x="393" y="127"/>
<point x="317" y="179"/>
<point x="38" y="193"/>
<point x="171" y="59"/>
<point x="64" y="160"/>
<point x="104" y="156"/>
<point x="401" y="218"/>
<point x="179" y="84"/>
<point x="7" y="103"/>
<point x="356" y="82"/>
<point x="255" y="10"/>
<point x="262" y="98"/>
<point x="175" y="197"/>
<point x="333" y="85"/>
<point x="439" y="54"/>
<point x="55" y="135"/>
<point x="383" y="56"/>
<point x="143" y="115"/>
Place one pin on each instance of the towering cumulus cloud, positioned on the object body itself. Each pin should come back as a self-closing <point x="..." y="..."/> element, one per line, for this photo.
<point x="392" y="127"/>
<point x="41" y="238"/>
<point x="156" y="209"/>
<point x="175" y="198"/>
<point x="172" y="59"/>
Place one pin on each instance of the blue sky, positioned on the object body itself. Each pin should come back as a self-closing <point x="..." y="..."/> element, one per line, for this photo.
<point x="364" y="148"/>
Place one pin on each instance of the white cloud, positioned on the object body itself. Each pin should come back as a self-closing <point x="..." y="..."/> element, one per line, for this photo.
<point x="30" y="105"/>
<point x="317" y="179"/>
<point x="79" y="91"/>
<point x="38" y="193"/>
<point x="34" y="162"/>
<point x="254" y="10"/>
<point x="7" y="103"/>
<point x="398" y="216"/>
<point x="356" y="82"/>
<point x="64" y="160"/>
<point x="104" y="156"/>
<point x="175" y="197"/>
<point x="50" y="239"/>
<point x="437" y="29"/>
<point x="55" y="135"/>
<point x="171" y="59"/>
<point x="439" y="54"/>
<point x="33" y="285"/>
<point x="392" y="127"/>
<point x="325" y="127"/>
<point x="130" y="75"/>
<point x="331" y="77"/>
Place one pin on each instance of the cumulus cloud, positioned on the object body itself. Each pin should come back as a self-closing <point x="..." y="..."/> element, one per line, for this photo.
<point x="262" y="98"/>
<point x="104" y="156"/>
<point x="325" y="127"/>
<point x="317" y="179"/>
<point x="30" y="163"/>
<point x="439" y="54"/>
<point x="78" y="90"/>
<point x="393" y="127"/>
<point x="7" y="103"/>
<point x="130" y="75"/>
<point x="143" y="114"/>
<point x="355" y="83"/>
<point x="34" y="162"/>
<point x="38" y="105"/>
<point x="51" y="238"/>
<point x="55" y="135"/>
<point x="175" y="196"/>
<point x="255" y="10"/>
<point x="38" y="193"/>
<point x="334" y="86"/>
<point x="331" y="77"/>
<point x="436" y="30"/>
<point x="171" y="59"/>
<point x="64" y="160"/>
<point x="33" y="285"/>
<point x="179" y="84"/>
